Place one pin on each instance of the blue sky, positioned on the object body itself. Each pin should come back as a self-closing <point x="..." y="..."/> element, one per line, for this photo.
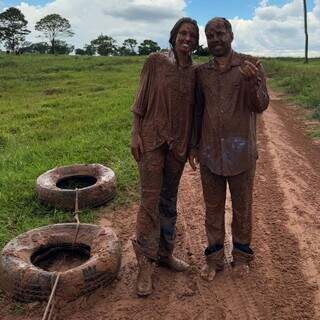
<point x="261" y="27"/>
<point x="205" y="9"/>
<point x="8" y="3"/>
<point x="201" y="10"/>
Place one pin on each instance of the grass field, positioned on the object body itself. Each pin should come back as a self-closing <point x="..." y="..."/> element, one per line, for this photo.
<point x="297" y="79"/>
<point x="59" y="110"/>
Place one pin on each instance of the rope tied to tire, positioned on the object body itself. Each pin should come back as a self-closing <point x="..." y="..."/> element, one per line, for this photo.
<point x="76" y="216"/>
<point x="50" y="304"/>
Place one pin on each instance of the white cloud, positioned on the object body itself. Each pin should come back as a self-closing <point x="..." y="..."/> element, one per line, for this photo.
<point x="278" y="30"/>
<point x="272" y="31"/>
<point x="121" y="19"/>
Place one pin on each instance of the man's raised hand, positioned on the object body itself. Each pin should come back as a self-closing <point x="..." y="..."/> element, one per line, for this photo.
<point x="249" y="70"/>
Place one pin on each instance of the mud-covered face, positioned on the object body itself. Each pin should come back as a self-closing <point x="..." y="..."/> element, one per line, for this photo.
<point x="219" y="38"/>
<point x="186" y="39"/>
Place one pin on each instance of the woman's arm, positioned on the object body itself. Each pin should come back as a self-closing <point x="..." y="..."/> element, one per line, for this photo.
<point x="140" y="106"/>
<point x="136" y="142"/>
<point x="196" y="126"/>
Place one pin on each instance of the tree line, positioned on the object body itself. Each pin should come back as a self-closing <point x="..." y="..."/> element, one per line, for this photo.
<point x="106" y="46"/>
<point x="13" y="32"/>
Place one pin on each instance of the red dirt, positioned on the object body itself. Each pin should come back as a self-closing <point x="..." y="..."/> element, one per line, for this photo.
<point x="284" y="282"/>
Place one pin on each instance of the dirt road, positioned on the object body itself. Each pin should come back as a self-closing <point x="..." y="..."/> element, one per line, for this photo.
<point x="284" y="282"/>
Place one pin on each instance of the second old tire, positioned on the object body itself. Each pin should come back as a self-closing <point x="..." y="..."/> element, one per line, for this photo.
<point x="26" y="281"/>
<point x="96" y="185"/>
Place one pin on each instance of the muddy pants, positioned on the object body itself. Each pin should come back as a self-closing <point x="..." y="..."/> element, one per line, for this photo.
<point x="214" y="193"/>
<point x="160" y="174"/>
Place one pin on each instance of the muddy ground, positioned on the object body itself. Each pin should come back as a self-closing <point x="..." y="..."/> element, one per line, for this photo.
<point x="284" y="281"/>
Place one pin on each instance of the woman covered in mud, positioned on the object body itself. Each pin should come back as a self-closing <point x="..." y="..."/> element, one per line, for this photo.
<point x="163" y="111"/>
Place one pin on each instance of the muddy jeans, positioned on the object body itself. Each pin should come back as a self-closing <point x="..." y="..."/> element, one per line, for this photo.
<point x="160" y="175"/>
<point x="214" y="193"/>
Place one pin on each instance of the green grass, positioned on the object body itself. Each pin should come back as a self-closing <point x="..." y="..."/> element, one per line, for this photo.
<point x="297" y="79"/>
<point x="59" y="110"/>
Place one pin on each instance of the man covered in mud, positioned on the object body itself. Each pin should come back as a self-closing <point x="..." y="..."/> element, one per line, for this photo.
<point x="231" y="90"/>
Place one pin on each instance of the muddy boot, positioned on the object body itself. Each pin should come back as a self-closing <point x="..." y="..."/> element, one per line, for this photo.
<point x="146" y="268"/>
<point x="214" y="263"/>
<point x="173" y="263"/>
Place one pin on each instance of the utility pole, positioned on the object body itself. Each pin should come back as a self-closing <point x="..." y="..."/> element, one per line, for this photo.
<point x="306" y="30"/>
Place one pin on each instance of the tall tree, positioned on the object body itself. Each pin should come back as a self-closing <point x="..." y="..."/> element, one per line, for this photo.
<point x="90" y="50"/>
<point x="13" y="28"/>
<point x="306" y="30"/>
<point x="80" y="52"/>
<point x="54" y="26"/>
<point x="123" y="51"/>
<point x="39" y="47"/>
<point x="105" y="45"/>
<point x="147" y="47"/>
<point x="130" y="46"/>
<point x="61" y="47"/>
<point x="202" y="51"/>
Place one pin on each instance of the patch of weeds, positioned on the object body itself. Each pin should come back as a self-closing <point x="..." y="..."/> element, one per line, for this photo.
<point x="316" y="114"/>
<point x="8" y="77"/>
<point x="107" y="68"/>
<point x="99" y="64"/>
<point x="316" y="134"/>
<point x="14" y="130"/>
<point x="52" y="91"/>
<point x="26" y="115"/>
<point x="97" y="89"/>
<point x="71" y="82"/>
<point x="8" y="64"/>
<point x="51" y="105"/>
<point x="18" y="308"/>
<point x="3" y="142"/>
<point x="56" y="69"/>
<point x="33" y="78"/>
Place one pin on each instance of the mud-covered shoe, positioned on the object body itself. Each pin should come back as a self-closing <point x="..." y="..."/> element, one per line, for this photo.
<point x="173" y="263"/>
<point x="146" y="268"/>
<point x="208" y="272"/>
<point x="144" y="279"/>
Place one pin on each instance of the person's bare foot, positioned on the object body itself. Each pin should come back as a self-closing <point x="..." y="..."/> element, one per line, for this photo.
<point x="208" y="273"/>
<point x="241" y="268"/>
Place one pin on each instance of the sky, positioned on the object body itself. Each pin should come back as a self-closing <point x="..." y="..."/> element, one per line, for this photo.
<point x="261" y="27"/>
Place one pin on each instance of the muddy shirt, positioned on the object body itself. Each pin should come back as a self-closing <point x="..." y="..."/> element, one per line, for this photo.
<point x="225" y="115"/>
<point x="165" y="102"/>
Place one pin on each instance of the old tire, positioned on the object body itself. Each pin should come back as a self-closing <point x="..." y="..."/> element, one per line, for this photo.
<point x="94" y="195"/>
<point x="27" y="283"/>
